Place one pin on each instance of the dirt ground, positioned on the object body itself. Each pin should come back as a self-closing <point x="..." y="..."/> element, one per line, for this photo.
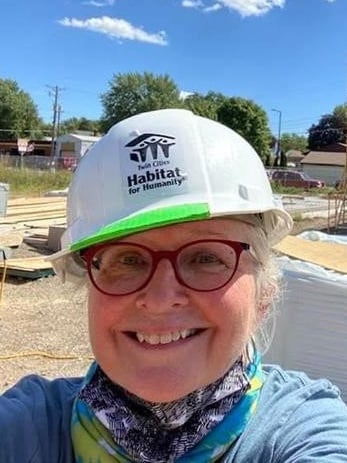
<point x="43" y="324"/>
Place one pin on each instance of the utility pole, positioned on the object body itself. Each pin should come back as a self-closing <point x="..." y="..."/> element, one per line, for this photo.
<point x="340" y="202"/>
<point x="56" y="115"/>
<point x="279" y="133"/>
<point x="58" y="120"/>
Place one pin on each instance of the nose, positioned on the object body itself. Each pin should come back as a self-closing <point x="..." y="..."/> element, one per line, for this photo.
<point x="163" y="292"/>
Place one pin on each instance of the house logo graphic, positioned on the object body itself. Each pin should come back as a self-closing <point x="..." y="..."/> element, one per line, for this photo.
<point x="150" y="147"/>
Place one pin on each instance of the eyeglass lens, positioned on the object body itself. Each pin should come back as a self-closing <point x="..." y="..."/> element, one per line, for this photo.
<point x="124" y="268"/>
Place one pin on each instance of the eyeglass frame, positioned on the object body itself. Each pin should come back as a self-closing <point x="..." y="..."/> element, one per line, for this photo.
<point x="88" y="254"/>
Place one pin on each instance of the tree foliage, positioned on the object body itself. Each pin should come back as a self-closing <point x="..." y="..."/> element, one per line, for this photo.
<point x="293" y="141"/>
<point x="79" y="123"/>
<point x="250" y="121"/>
<point x="133" y="93"/>
<point x="18" y="113"/>
<point x="329" y="130"/>
<point x="205" y="106"/>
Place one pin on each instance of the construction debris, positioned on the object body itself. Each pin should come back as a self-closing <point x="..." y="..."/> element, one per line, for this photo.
<point x="39" y="223"/>
<point x="30" y="267"/>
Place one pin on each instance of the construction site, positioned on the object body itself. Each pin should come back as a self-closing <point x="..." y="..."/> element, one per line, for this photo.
<point x="43" y="325"/>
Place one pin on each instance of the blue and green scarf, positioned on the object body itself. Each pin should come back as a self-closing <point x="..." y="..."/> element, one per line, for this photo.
<point x="110" y="425"/>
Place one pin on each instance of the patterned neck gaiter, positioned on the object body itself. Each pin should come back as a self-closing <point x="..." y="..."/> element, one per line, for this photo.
<point x="111" y="425"/>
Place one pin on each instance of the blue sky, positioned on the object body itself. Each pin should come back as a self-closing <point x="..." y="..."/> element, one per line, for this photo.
<point x="289" y="55"/>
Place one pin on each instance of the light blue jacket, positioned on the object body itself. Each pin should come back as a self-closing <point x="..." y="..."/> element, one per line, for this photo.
<point x="297" y="420"/>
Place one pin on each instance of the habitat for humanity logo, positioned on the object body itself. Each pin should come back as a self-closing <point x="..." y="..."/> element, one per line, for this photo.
<point x="149" y="145"/>
<point x="151" y="153"/>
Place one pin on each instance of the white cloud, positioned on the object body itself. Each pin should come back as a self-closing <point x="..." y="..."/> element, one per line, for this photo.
<point x="115" y="28"/>
<point x="215" y="7"/>
<point x="192" y="3"/>
<point x="243" y="7"/>
<point x="100" y="3"/>
<point x="252" y="7"/>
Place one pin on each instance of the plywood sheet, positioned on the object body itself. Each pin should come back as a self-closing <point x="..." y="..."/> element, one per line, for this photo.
<point x="29" y="263"/>
<point x="35" y="200"/>
<point x="329" y="255"/>
<point x="31" y="267"/>
<point x="11" y="239"/>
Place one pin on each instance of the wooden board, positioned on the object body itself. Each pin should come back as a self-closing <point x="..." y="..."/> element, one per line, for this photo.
<point x="329" y="255"/>
<point x="11" y="239"/>
<point x="32" y="217"/>
<point x="36" y="241"/>
<point x="25" y="217"/>
<point x="28" y="209"/>
<point x="24" y="213"/>
<point x="36" y="200"/>
<point x="40" y="223"/>
<point x="31" y="267"/>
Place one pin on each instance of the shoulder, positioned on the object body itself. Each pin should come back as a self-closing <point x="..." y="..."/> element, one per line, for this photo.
<point x="301" y="401"/>
<point x="38" y="410"/>
<point x="297" y="419"/>
<point x="33" y="392"/>
<point x="295" y="384"/>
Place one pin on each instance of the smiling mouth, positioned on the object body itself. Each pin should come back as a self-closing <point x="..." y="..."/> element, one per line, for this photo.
<point x="165" y="338"/>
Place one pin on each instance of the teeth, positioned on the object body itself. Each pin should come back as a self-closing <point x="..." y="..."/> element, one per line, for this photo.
<point x="164" y="338"/>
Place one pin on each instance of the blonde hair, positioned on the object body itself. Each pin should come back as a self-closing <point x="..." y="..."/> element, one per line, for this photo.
<point x="268" y="280"/>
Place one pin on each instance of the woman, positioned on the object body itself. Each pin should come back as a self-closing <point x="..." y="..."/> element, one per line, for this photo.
<point x="171" y="218"/>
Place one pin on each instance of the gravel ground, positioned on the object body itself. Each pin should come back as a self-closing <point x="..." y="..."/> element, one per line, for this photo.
<point x="43" y="324"/>
<point x="43" y="329"/>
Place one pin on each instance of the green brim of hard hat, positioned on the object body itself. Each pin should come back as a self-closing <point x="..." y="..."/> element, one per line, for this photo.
<point x="145" y="220"/>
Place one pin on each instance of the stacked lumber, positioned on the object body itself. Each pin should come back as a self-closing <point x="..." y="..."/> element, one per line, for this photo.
<point x="30" y="267"/>
<point x="36" y="211"/>
<point x="30" y="220"/>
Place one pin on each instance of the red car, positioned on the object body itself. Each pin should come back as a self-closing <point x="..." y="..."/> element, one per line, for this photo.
<point x="296" y="179"/>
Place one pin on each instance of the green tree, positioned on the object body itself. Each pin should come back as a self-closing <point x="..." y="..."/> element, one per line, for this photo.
<point x="205" y="106"/>
<point x="133" y="93"/>
<point x="18" y="113"/>
<point x="250" y="121"/>
<point x="79" y="123"/>
<point x="293" y="141"/>
<point x="329" y="130"/>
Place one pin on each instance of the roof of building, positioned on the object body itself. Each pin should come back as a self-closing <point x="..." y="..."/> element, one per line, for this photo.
<point x="325" y="158"/>
<point x="294" y="154"/>
<point x="81" y="137"/>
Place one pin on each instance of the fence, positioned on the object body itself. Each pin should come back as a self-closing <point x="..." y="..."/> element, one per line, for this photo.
<point x="38" y="162"/>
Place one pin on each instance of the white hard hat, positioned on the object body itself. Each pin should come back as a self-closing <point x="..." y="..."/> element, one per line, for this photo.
<point x="164" y="167"/>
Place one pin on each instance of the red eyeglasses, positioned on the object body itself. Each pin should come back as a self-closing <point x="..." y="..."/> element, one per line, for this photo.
<point x="122" y="268"/>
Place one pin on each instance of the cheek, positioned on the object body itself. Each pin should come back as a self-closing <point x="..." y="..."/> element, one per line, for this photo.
<point x="238" y="304"/>
<point x="102" y="315"/>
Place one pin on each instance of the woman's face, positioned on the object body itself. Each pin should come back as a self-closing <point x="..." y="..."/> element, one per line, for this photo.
<point x="218" y="323"/>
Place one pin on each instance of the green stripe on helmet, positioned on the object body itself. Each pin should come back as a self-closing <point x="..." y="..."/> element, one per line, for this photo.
<point x="145" y="221"/>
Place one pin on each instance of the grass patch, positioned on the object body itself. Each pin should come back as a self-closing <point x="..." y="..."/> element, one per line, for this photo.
<point x="286" y="190"/>
<point x="33" y="182"/>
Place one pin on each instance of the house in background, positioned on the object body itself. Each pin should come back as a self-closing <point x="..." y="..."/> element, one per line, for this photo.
<point x="71" y="147"/>
<point x="328" y="165"/>
<point x="294" y="158"/>
<point x="34" y="147"/>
